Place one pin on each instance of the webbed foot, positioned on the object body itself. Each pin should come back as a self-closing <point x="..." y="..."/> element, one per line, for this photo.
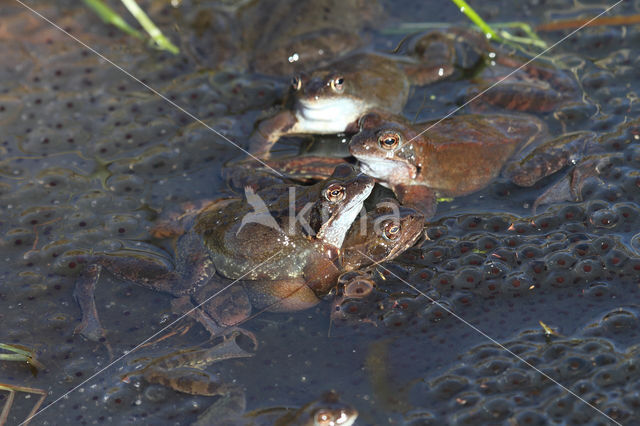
<point x="569" y="188"/>
<point x="548" y="158"/>
<point x="184" y="305"/>
<point x="90" y="326"/>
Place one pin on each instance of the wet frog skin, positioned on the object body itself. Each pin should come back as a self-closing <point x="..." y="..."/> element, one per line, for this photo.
<point x="382" y="235"/>
<point x="328" y="410"/>
<point x="330" y="99"/>
<point x="184" y="370"/>
<point x="524" y="85"/>
<point x="459" y="155"/>
<point x="278" y="266"/>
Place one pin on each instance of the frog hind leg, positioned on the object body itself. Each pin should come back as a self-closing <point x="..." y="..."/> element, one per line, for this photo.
<point x="144" y="267"/>
<point x="545" y="159"/>
<point x="225" y="411"/>
<point x="175" y="222"/>
<point x="90" y="326"/>
<point x="569" y="187"/>
<point x="285" y="295"/>
<point x="438" y="54"/>
<point x="224" y="305"/>
<point x="432" y="54"/>
<point x="419" y="197"/>
<point x="514" y="96"/>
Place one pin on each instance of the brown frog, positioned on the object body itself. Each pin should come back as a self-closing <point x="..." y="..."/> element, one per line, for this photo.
<point x="264" y="251"/>
<point x="504" y="78"/>
<point x="328" y="410"/>
<point x="459" y="155"/>
<point x="184" y="370"/>
<point x="382" y="235"/>
<point x="330" y="99"/>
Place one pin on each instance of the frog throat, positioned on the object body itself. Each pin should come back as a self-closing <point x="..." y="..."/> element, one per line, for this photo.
<point x="387" y="169"/>
<point x="327" y="115"/>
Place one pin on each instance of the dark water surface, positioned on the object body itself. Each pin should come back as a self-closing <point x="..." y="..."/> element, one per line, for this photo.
<point x="89" y="157"/>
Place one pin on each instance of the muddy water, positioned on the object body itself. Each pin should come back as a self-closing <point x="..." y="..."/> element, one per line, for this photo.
<point x="89" y="157"/>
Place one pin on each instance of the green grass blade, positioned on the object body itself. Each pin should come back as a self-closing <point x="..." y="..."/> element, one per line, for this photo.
<point x="156" y="35"/>
<point x="109" y="16"/>
<point x="476" y="19"/>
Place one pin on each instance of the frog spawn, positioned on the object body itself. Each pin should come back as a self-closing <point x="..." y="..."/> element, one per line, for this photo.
<point x="97" y="205"/>
<point x="471" y="258"/>
<point x="491" y="385"/>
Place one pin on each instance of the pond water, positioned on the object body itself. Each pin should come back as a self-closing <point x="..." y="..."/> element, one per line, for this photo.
<point x="89" y="157"/>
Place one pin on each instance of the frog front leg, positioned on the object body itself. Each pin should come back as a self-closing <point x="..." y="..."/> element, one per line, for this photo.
<point x="420" y="197"/>
<point x="146" y="266"/>
<point x="269" y="131"/>
<point x="306" y="169"/>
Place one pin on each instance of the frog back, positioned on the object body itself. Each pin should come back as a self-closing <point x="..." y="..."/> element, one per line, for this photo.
<point x="463" y="154"/>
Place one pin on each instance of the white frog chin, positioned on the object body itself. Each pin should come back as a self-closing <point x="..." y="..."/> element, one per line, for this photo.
<point x="386" y="169"/>
<point x="327" y="116"/>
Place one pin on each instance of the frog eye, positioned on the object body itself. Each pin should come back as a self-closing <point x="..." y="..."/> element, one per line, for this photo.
<point x="337" y="84"/>
<point x="334" y="193"/>
<point x="296" y="83"/>
<point x="391" y="230"/>
<point x="323" y="417"/>
<point x="389" y="140"/>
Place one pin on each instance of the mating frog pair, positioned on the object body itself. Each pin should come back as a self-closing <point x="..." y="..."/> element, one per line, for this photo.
<point x="262" y="252"/>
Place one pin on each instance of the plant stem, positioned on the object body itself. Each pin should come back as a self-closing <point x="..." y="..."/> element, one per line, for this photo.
<point x="476" y="19"/>
<point x="109" y="16"/>
<point x="156" y="35"/>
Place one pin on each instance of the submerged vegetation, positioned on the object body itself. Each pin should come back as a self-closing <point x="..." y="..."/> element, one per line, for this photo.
<point x="18" y="353"/>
